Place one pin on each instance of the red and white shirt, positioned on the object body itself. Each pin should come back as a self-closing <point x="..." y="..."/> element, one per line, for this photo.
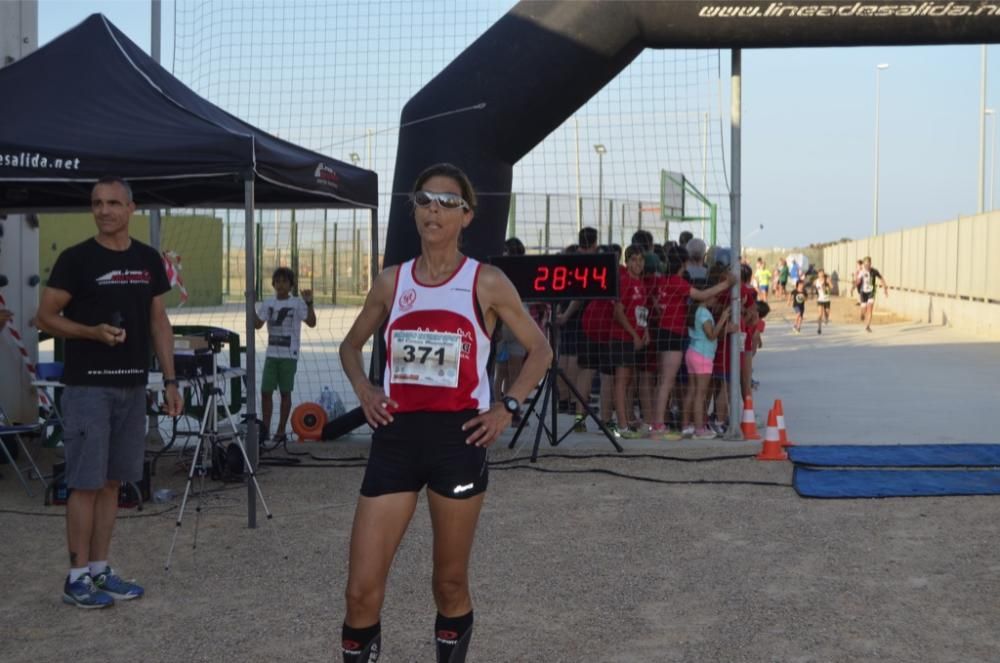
<point x="436" y="344"/>
<point x="634" y="298"/>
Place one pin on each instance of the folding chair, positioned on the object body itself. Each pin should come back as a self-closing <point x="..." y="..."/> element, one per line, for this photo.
<point x="16" y="431"/>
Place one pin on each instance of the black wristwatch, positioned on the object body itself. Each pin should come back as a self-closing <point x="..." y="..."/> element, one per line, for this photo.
<point x="170" y="381"/>
<point x="511" y="404"/>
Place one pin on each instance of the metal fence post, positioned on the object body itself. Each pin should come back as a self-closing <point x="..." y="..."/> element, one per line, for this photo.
<point x="333" y="288"/>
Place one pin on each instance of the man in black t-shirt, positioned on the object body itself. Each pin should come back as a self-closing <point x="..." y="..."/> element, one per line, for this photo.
<point x="867" y="283"/>
<point x="105" y="297"/>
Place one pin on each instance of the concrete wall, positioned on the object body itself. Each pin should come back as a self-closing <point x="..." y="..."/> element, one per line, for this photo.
<point x="939" y="273"/>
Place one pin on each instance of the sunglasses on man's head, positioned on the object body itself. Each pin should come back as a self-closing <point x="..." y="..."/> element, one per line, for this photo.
<point x="446" y="200"/>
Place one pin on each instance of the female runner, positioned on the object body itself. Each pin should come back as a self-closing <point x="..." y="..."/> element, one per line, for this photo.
<point x="434" y="417"/>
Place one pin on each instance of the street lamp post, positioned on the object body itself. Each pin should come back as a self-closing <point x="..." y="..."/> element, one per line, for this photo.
<point x="993" y="151"/>
<point x="600" y="149"/>
<point x="878" y="93"/>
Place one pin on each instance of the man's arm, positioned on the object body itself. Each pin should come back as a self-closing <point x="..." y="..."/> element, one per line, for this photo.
<point x="51" y="320"/>
<point x="163" y="345"/>
<point x="307" y="297"/>
<point x="885" y="286"/>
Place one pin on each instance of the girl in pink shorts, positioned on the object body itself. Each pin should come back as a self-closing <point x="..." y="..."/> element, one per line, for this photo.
<point x="703" y="331"/>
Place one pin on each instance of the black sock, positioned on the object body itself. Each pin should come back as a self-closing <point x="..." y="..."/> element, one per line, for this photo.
<point x="361" y="645"/>
<point x="452" y="635"/>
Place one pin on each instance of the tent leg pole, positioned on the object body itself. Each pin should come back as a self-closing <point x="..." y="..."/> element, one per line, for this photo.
<point x="252" y="445"/>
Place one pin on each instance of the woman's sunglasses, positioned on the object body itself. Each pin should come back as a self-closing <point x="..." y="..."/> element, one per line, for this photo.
<point x="445" y="200"/>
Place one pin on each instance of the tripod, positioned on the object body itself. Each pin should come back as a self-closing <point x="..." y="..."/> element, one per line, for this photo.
<point x="547" y="392"/>
<point x="209" y="432"/>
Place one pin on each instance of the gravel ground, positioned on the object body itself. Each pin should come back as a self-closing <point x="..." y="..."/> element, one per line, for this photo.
<point x="713" y="561"/>
<point x="567" y="567"/>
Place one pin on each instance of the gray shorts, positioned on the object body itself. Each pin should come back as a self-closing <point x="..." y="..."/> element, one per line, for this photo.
<point x="104" y="434"/>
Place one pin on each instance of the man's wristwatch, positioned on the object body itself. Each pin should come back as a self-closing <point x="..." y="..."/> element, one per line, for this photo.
<point x="511" y="404"/>
<point x="170" y="381"/>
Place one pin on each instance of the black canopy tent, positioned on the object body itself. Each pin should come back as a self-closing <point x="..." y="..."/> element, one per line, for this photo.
<point x="92" y="103"/>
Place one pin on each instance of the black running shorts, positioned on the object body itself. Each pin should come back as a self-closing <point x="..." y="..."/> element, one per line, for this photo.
<point x="426" y="449"/>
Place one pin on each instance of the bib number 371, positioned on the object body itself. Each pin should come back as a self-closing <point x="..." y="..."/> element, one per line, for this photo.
<point x="425" y="358"/>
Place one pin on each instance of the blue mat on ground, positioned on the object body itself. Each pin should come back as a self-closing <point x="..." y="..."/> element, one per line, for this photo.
<point x="810" y="482"/>
<point x="898" y="455"/>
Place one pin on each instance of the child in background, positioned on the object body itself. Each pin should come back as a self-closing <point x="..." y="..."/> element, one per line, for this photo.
<point x="283" y="315"/>
<point x="748" y="301"/>
<point x="798" y="298"/>
<point x="628" y="337"/>
<point x="822" y="286"/>
<point x="763" y="277"/>
<point x="757" y="338"/>
<point x="704" y="331"/>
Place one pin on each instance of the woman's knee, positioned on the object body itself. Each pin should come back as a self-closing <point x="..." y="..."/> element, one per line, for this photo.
<point x="451" y="588"/>
<point x="364" y="596"/>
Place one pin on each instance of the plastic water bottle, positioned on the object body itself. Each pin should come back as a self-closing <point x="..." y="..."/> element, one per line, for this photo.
<point x="326" y="401"/>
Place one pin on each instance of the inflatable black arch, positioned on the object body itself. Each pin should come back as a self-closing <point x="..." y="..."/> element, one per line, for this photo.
<point x="543" y="60"/>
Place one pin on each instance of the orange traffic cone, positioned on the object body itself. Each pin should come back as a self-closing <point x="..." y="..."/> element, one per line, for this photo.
<point x="779" y="414"/>
<point x="748" y="425"/>
<point x="772" y="445"/>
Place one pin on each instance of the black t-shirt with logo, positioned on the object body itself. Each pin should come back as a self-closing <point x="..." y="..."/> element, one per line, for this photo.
<point x="115" y="288"/>
<point x="798" y="299"/>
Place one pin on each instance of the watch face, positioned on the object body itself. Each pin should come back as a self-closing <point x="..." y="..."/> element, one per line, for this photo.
<point x="511" y="404"/>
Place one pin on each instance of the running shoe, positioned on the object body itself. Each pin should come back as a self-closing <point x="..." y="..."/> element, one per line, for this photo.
<point x="613" y="428"/>
<point x="819" y="330"/>
<point x="705" y="433"/>
<point x="580" y="424"/>
<point x="111" y="583"/>
<point x="718" y="427"/>
<point x="84" y="594"/>
<point x="688" y="431"/>
<point x="663" y="433"/>
<point x="634" y="431"/>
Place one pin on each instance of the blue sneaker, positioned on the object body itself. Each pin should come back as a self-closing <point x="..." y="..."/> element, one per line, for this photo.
<point x="111" y="583"/>
<point x="84" y="594"/>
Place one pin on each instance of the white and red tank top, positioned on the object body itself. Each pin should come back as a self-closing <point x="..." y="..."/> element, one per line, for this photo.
<point x="436" y="345"/>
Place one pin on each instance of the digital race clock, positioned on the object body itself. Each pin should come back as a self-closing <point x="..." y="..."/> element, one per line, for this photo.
<point x="558" y="276"/>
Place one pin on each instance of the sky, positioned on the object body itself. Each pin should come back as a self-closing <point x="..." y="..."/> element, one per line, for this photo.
<point x="808" y="130"/>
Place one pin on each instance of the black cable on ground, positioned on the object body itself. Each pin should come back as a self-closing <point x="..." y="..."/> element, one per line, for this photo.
<point x="62" y="514"/>
<point x="622" y="475"/>
<point x="624" y="457"/>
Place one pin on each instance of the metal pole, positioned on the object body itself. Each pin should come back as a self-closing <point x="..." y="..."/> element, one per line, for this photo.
<point x="548" y="220"/>
<point x="355" y="253"/>
<point x="981" y="180"/>
<point x="704" y="176"/>
<point x="878" y="79"/>
<point x="323" y="281"/>
<point x="251" y="349"/>
<point x="229" y="252"/>
<point x="293" y="251"/>
<point x="512" y="216"/>
<point x="736" y="105"/>
<point x="356" y="265"/>
<point x="154" y="51"/>
<point x="993" y="152"/>
<point x="579" y="192"/>
<point x="621" y="226"/>
<point x="611" y="222"/>
<point x="600" y="191"/>
<point x="373" y="269"/>
<point x="333" y="297"/>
